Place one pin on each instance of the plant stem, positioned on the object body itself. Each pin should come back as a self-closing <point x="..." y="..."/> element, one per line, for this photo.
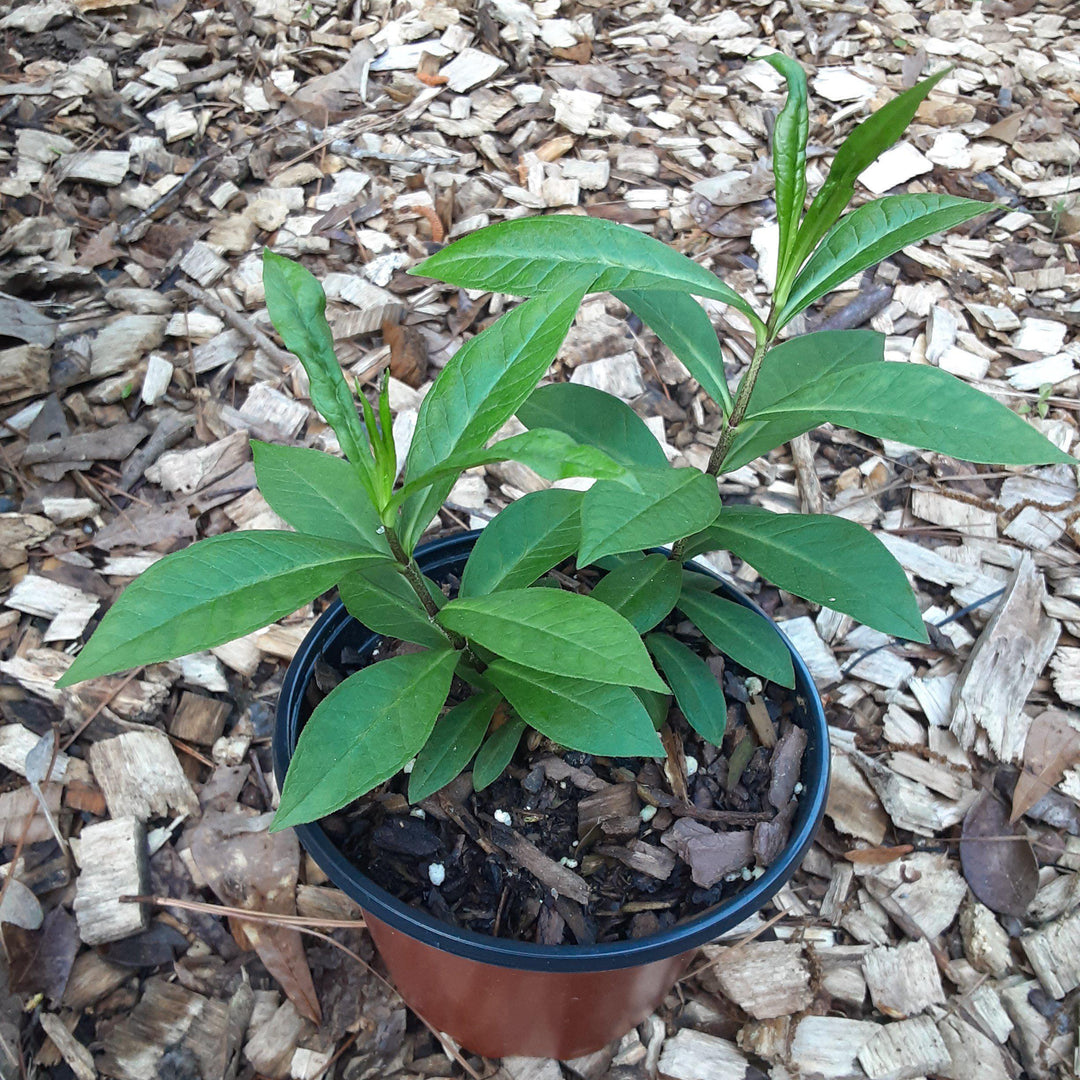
<point x="730" y="426"/>
<point x="742" y="400"/>
<point x="416" y="580"/>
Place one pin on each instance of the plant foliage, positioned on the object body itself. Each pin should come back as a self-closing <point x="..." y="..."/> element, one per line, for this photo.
<point x="590" y="672"/>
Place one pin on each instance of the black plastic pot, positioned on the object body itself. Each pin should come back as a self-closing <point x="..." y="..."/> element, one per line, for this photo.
<point x="498" y="996"/>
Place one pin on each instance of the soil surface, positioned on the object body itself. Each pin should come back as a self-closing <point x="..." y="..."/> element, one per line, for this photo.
<point x="614" y="848"/>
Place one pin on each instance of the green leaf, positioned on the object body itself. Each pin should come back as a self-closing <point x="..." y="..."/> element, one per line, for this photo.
<point x="673" y="503"/>
<point x="829" y="560"/>
<point x="789" y="154"/>
<point x="556" y="631"/>
<point x="363" y="732"/>
<point x="454" y="740"/>
<point x="497" y="753"/>
<point x="549" y="453"/>
<point x="481" y="387"/>
<point x="641" y="592"/>
<point x="692" y="579"/>
<point x="680" y="322"/>
<point x="211" y="592"/>
<point x="532" y="256"/>
<point x="380" y="598"/>
<point x="596" y="718"/>
<point x="296" y="304"/>
<point x="656" y="705"/>
<point x="741" y="633"/>
<point x="916" y="404"/>
<point x="864" y="145"/>
<point x="594" y="417"/>
<point x="871" y="233"/>
<point x="790" y="367"/>
<point x="318" y="494"/>
<point x="523" y="541"/>
<point x="697" y="691"/>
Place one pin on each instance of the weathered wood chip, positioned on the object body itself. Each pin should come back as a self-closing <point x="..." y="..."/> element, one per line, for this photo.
<point x="903" y="981"/>
<point x="113" y="862"/>
<point x="141" y="777"/>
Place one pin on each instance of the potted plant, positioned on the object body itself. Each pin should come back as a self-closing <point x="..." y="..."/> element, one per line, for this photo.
<point x="614" y="655"/>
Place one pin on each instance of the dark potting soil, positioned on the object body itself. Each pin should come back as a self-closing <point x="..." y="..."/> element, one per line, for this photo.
<point x="569" y="848"/>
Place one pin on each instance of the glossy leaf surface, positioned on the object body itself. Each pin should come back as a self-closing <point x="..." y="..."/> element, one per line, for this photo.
<point x="642" y="592"/>
<point x="871" y="233"/>
<point x="672" y="503"/>
<point x="523" y="541"/>
<point x="481" y="387"/>
<point x="594" y="417"/>
<point x="596" y="718"/>
<point x="453" y="741"/>
<point x="864" y="145"/>
<point x="381" y="599"/>
<point x="829" y="560"/>
<point x="556" y="631"/>
<point x="697" y="691"/>
<point x="211" y="592"/>
<point x="363" y="732"/>
<point x="296" y="304"/>
<point x="317" y="494"/>
<point x="680" y="322"/>
<point x="789" y="153"/>
<point x="741" y="633"/>
<point x="532" y="256"/>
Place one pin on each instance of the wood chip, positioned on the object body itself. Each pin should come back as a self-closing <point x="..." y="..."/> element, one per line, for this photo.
<point x="112" y="857"/>
<point x="1054" y="953"/>
<point x="765" y="978"/>
<point x="903" y="981"/>
<point x="829" y="1046"/>
<point x="694" y="1055"/>
<point x="1003" y="666"/>
<point x="140" y="776"/>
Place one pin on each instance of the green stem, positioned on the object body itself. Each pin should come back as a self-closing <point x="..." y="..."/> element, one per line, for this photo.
<point x="730" y="426"/>
<point x="416" y="580"/>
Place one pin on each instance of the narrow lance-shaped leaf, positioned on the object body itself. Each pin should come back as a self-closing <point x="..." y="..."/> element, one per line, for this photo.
<point x="549" y="453"/>
<point x="296" y="304"/>
<point x="532" y="256"/>
<point x="680" y="322"/>
<point x="594" y="417"/>
<point x="673" y="503"/>
<point x="871" y="233"/>
<point x="497" y="752"/>
<point x="380" y="598"/>
<point x="454" y="740"/>
<point x="481" y="388"/>
<point x="864" y="145"/>
<point x="642" y="592"/>
<point x="697" y="691"/>
<point x="317" y="494"/>
<point x="523" y="541"/>
<point x="828" y="560"/>
<point x="596" y="718"/>
<point x="556" y="631"/>
<point x="912" y="403"/>
<point x="212" y="592"/>
<point x="789" y="154"/>
<point x="741" y="633"/>
<point x="363" y="732"/>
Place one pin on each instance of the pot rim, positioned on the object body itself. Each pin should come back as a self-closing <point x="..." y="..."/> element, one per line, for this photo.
<point x="507" y="952"/>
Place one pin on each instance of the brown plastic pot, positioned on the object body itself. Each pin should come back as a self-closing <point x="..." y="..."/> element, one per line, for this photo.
<point x="499" y="997"/>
